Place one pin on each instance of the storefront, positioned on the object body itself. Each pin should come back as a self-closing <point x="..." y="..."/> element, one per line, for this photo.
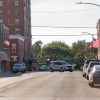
<point x="4" y="62"/>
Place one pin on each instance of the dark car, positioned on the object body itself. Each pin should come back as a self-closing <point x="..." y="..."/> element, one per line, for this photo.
<point x="94" y="76"/>
<point x="86" y="65"/>
<point x="78" y="66"/>
<point x="18" y="68"/>
<point x="90" y="66"/>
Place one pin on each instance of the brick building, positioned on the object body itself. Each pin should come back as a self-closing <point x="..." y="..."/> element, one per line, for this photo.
<point x="4" y="49"/>
<point x="16" y="15"/>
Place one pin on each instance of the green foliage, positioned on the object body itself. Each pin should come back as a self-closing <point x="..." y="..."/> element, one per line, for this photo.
<point x="37" y="48"/>
<point x="58" y="50"/>
<point x="55" y="51"/>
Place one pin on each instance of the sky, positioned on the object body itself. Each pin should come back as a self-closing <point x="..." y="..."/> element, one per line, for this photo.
<point x="58" y="17"/>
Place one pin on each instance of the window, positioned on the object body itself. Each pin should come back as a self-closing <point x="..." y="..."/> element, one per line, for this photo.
<point x="1" y="3"/>
<point x="16" y="21"/>
<point x="13" y="48"/>
<point x="8" y="21"/>
<point x="55" y="63"/>
<point x="16" y="3"/>
<point x="8" y="2"/>
<point x="1" y="12"/>
<point x="1" y="21"/>
<point x="17" y="30"/>
<point x="8" y="11"/>
<point x="16" y="12"/>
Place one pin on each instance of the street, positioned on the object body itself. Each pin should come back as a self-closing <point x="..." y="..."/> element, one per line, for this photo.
<point x="48" y="86"/>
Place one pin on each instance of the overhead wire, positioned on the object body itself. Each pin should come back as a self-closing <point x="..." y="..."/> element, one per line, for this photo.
<point x="65" y="11"/>
<point x="61" y="27"/>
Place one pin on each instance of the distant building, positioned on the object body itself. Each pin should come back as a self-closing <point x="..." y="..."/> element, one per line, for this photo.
<point x="16" y="48"/>
<point x="16" y="15"/>
<point x="4" y="49"/>
<point x="98" y="36"/>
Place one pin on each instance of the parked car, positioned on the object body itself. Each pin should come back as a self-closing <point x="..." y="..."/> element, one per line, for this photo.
<point x="78" y="66"/>
<point x="60" y="66"/>
<point x="90" y="66"/>
<point x="94" y="76"/>
<point x="23" y="64"/>
<point x="86" y="65"/>
<point x="81" y="68"/>
<point x="18" y="68"/>
<point x="43" y="68"/>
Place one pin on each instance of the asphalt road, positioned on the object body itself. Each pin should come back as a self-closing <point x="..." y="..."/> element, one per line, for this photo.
<point x="51" y="86"/>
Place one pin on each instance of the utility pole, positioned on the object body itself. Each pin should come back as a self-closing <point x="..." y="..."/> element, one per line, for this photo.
<point x="1" y="38"/>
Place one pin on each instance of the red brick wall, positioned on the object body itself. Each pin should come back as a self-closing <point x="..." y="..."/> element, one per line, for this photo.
<point x="12" y="15"/>
<point x="21" y="50"/>
<point x="24" y="19"/>
<point x="12" y="41"/>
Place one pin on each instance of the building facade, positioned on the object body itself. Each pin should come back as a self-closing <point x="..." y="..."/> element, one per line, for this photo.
<point x="4" y="49"/>
<point x="16" y="15"/>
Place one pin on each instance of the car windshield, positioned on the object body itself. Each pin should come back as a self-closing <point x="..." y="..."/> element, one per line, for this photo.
<point x="62" y="63"/>
<point x="92" y="64"/>
<point x="88" y="61"/>
<point x="17" y="65"/>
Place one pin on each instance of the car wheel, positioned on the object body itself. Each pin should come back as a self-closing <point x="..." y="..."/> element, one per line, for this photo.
<point x="71" y="70"/>
<point x="14" y="72"/>
<point x="61" y="69"/>
<point x="91" y="85"/>
<point x="51" y="70"/>
<point x="83" y="75"/>
<point x="87" y="77"/>
<point x="23" y="71"/>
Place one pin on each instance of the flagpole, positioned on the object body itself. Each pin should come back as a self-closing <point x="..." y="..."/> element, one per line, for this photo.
<point x="92" y="46"/>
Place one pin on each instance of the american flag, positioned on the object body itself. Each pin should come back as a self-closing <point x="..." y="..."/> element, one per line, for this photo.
<point x="6" y="42"/>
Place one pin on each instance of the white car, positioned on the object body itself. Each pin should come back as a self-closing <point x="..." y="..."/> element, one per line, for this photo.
<point x="60" y="66"/>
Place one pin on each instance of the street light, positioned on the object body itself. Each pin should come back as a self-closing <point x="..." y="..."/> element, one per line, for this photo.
<point x="88" y="3"/>
<point x="92" y="40"/>
<point x="88" y="34"/>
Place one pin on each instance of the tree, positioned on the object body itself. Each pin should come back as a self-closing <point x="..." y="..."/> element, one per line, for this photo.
<point x="37" y="48"/>
<point x="80" y="50"/>
<point x="55" y="51"/>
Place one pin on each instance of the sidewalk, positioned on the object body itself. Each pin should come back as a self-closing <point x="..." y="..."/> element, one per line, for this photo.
<point x="8" y="79"/>
<point x="5" y="74"/>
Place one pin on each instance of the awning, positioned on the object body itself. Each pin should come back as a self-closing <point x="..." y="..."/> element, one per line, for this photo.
<point x="3" y="56"/>
<point x="25" y="60"/>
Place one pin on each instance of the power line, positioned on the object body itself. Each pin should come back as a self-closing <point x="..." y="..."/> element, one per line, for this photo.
<point x="56" y="34"/>
<point x="88" y="3"/>
<point x="64" y="11"/>
<point x="47" y="26"/>
<point x="64" y="35"/>
<point x="60" y="27"/>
